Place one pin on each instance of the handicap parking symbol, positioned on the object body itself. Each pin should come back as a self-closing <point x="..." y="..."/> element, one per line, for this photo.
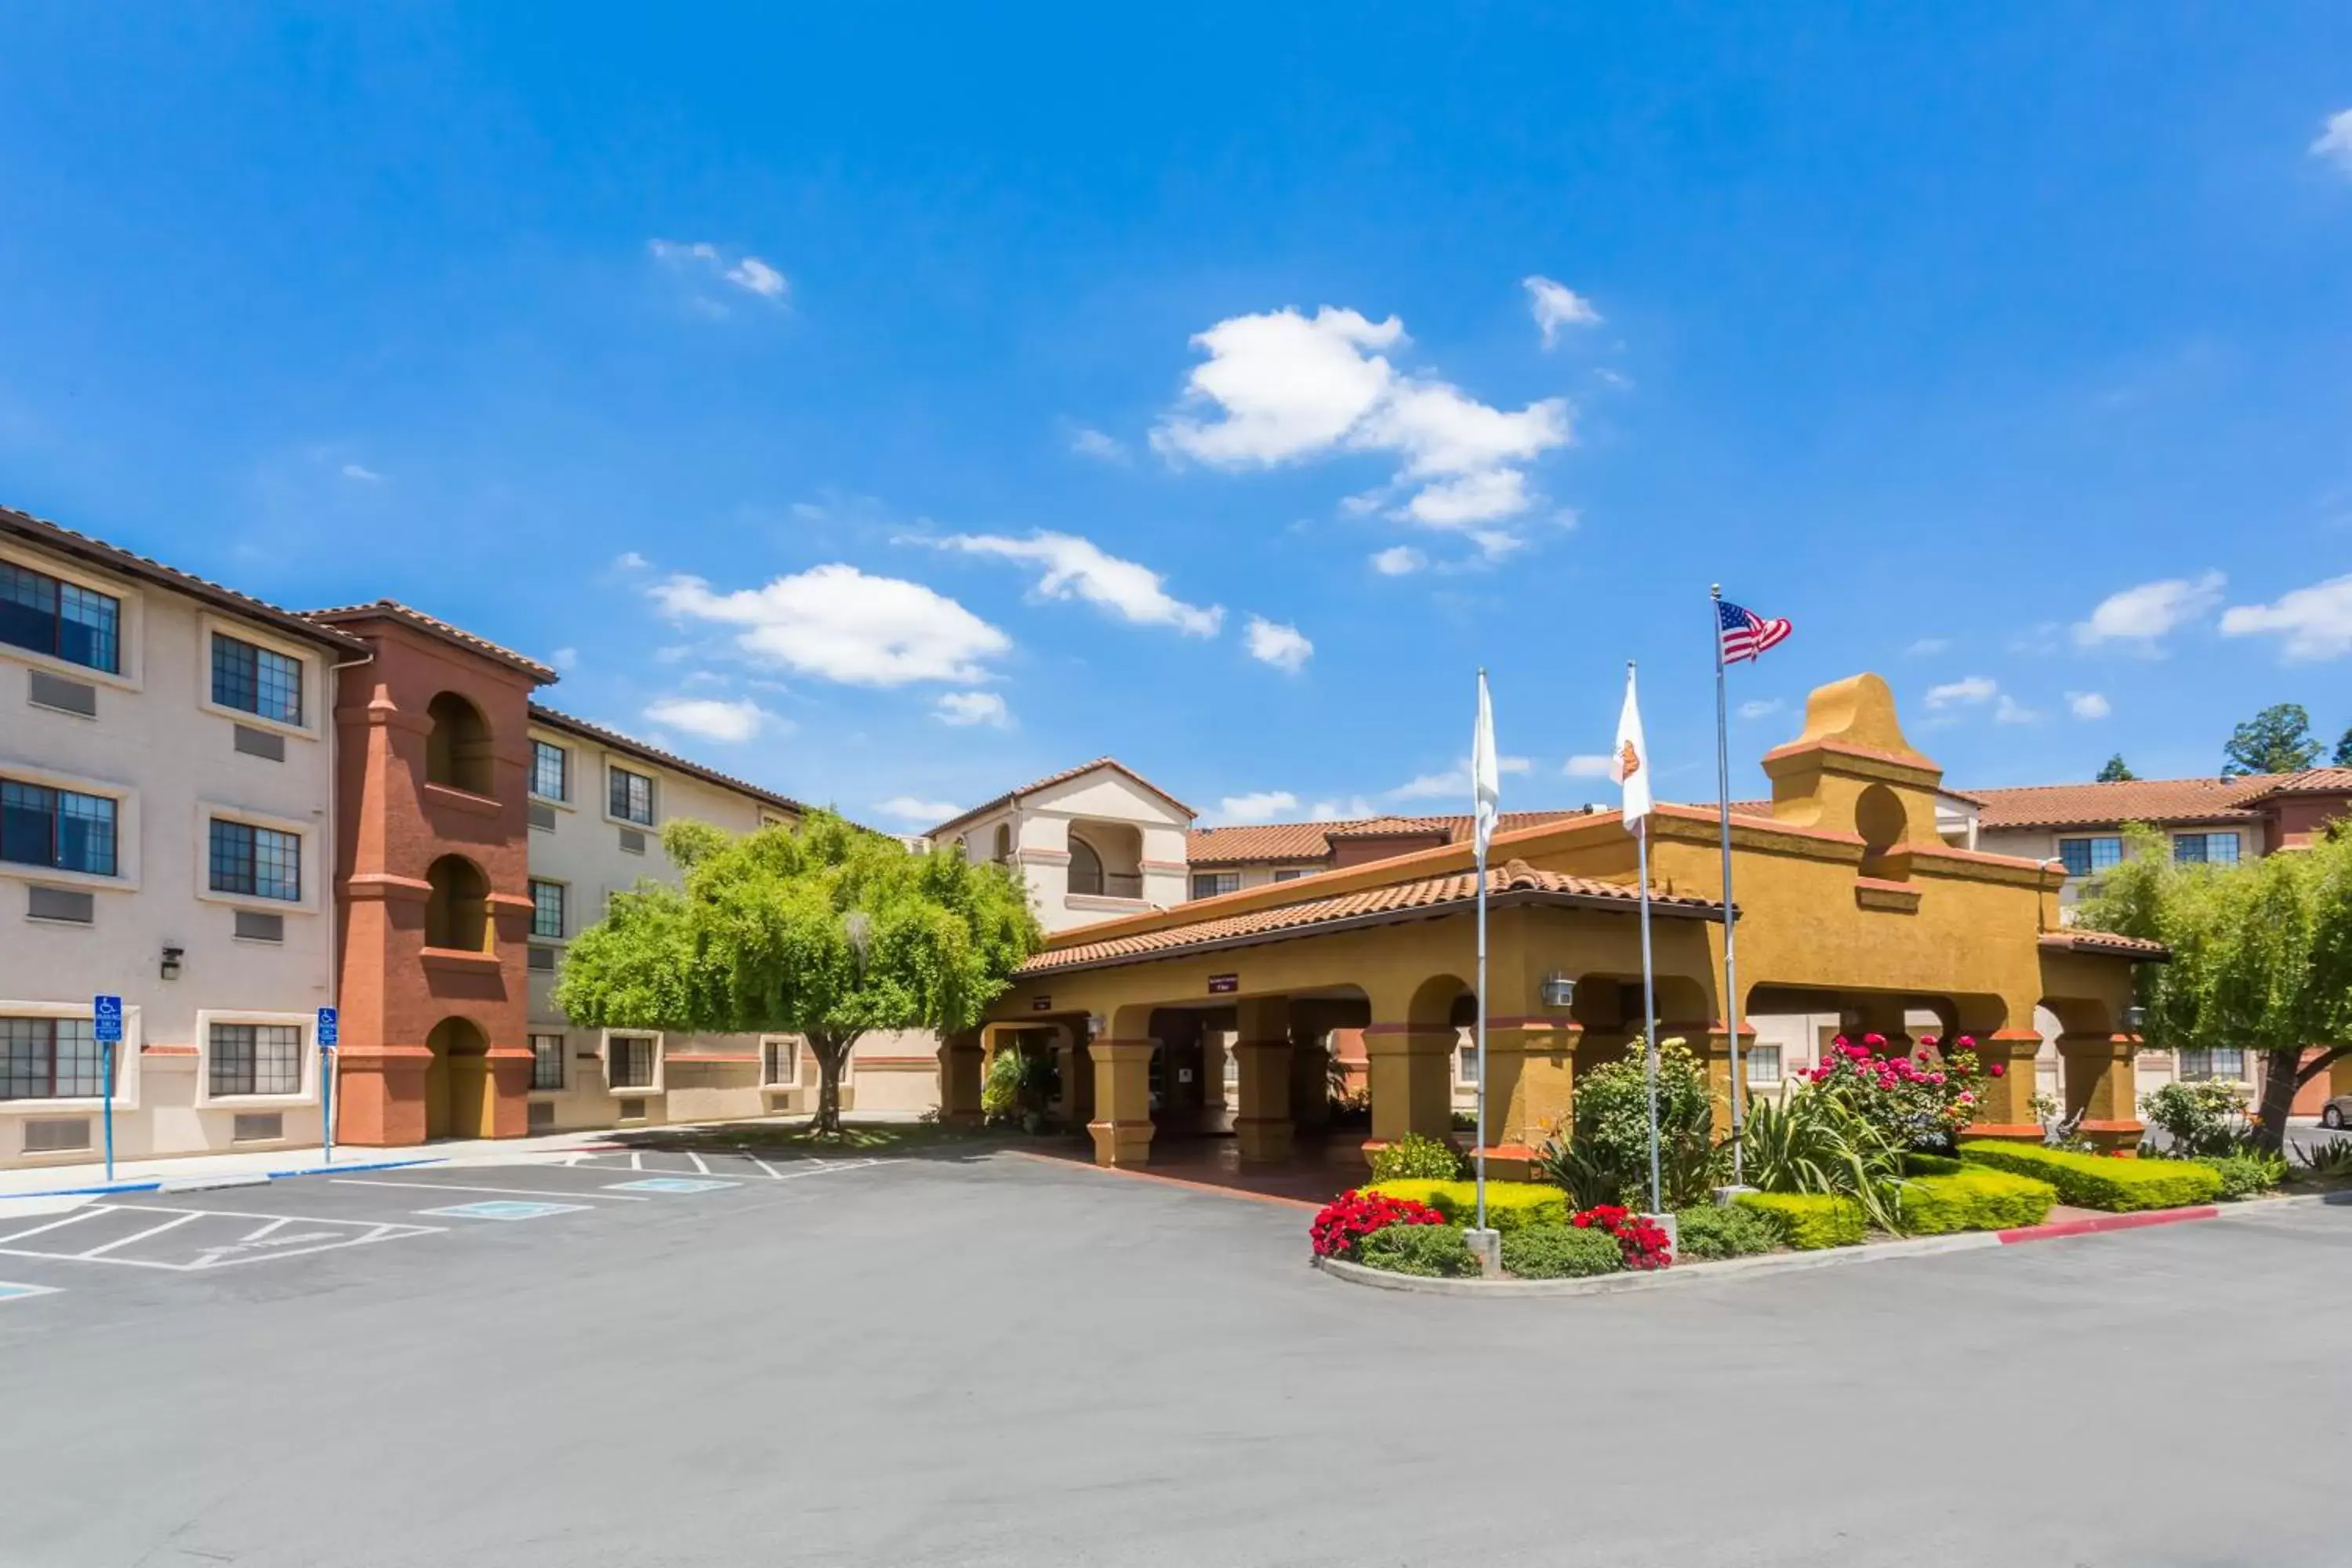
<point x="505" y="1208"/>
<point x="669" y="1184"/>
<point x="17" y="1293"/>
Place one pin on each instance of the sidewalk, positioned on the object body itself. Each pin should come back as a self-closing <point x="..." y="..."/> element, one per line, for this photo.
<point x="146" y="1176"/>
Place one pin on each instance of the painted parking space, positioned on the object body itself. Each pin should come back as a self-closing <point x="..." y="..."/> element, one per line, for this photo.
<point x="505" y="1209"/>
<point x="13" y="1292"/>
<point x="191" y="1240"/>
<point x="672" y="1184"/>
<point x="725" y="1165"/>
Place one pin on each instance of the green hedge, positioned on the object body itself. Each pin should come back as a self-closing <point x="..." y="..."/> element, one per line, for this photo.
<point x="1435" y="1251"/>
<point x="1509" y="1205"/>
<point x="1711" y="1230"/>
<point x="1561" y="1252"/>
<point x="1972" y="1198"/>
<point x="1808" y="1221"/>
<point x="2102" y="1181"/>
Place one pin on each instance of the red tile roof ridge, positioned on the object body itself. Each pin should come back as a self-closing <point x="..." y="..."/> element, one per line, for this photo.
<point x="410" y="615"/>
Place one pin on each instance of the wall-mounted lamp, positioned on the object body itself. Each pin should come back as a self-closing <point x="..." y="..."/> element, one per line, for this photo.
<point x="1558" y="992"/>
<point x="172" y="956"/>
<point x="2135" y="1020"/>
<point x="1096" y="1026"/>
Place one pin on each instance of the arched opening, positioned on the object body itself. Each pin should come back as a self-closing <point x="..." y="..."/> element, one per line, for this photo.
<point x="1003" y="853"/>
<point x="1086" y="868"/>
<point x="458" y="750"/>
<point x="457" y="1099"/>
<point x="458" y="911"/>
<point x="1883" y="824"/>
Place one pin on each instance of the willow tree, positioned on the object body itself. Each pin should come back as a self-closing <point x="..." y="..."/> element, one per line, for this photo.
<point x="2262" y="956"/>
<point x="826" y="930"/>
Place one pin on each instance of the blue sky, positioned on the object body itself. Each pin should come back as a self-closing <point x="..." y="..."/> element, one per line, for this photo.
<point x="896" y="405"/>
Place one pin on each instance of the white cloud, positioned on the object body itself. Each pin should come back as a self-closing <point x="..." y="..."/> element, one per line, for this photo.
<point x="630" y="561"/>
<point x="1556" y="305"/>
<point x="2316" y="622"/>
<point x="566" y="659"/>
<point x="909" y="808"/>
<point x="962" y="708"/>
<point x="756" y="276"/>
<point x="1354" y="808"/>
<point x="1971" y="689"/>
<point x="1284" y="387"/>
<point x="1925" y="646"/>
<point x="2335" y="142"/>
<point x="1277" y="645"/>
<point x="360" y="472"/>
<point x="2149" y="612"/>
<point x="1258" y="805"/>
<point x="1761" y="708"/>
<point x="2009" y="711"/>
<point x="1399" y="561"/>
<point x="836" y="622"/>
<point x="712" y="719"/>
<point x="1078" y="569"/>
<point x="1454" y="781"/>
<point x="746" y="272"/>
<point x="1088" y="442"/>
<point x="1589" y="765"/>
<point x="2088" y="705"/>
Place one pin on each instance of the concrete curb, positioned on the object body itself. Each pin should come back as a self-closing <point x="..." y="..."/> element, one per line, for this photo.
<point x="2101" y="1224"/>
<point x="1660" y="1279"/>
<point x="2341" y="1198"/>
<point x="226" y="1179"/>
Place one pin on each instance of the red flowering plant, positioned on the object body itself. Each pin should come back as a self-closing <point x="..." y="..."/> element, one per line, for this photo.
<point x="1641" y="1239"/>
<point x="1340" y="1226"/>
<point x="1923" y="1098"/>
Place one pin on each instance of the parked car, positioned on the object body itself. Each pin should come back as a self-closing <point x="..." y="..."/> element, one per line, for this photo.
<point x="2337" y="1112"/>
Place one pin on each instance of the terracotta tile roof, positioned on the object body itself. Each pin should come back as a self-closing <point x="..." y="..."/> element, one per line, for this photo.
<point x="620" y="743"/>
<point x="2311" y="780"/>
<point x="114" y="558"/>
<point x="2074" y="940"/>
<point x="395" y="610"/>
<point x="2128" y="800"/>
<point x="1514" y="883"/>
<point x="1273" y="841"/>
<point x="1048" y="782"/>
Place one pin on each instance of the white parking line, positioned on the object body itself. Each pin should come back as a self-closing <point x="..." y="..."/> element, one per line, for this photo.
<point x="74" y="1218"/>
<point x="699" y="1165"/>
<point x="143" y="1235"/>
<point x="338" y="1234"/>
<point x="510" y="1192"/>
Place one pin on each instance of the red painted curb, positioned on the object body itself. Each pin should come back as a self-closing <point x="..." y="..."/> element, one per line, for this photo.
<point x="2107" y="1222"/>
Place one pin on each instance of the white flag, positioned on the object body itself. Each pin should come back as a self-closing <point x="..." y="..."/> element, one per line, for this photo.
<point x="1631" y="765"/>
<point x="1486" y="773"/>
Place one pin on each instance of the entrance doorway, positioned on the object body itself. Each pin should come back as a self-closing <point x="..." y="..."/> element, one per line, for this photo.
<point x="459" y="1101"/>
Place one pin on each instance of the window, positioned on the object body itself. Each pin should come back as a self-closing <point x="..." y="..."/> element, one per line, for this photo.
<point x="546" y="1061"/>
<point x="258" y="862"/>
<point x="2084" y="856"/>
<point x="1465" y="1057"/>
<point x="2205" y="848"/>
<point x="1288" y="874"/>
<point x="63" y="620"/>
<point x="2220" y="1061"/>
<point x="256" y="680"/>
<point x="50" y="1059"/>
<point x="547" y="909"/>
<point x="633" y="798"/>
<point x="629" y="1062"/>
<point x="1209" y="884"/>
<point x="256" y="1058"/>
<point x="1763" y="1065"/>
<point x="780" y="1063"/>
<point x="551" y="772"/>
<point x="56" y="828"/>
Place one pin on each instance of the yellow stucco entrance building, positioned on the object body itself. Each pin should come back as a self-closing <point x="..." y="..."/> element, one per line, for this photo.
<point x="1849" y="902"/>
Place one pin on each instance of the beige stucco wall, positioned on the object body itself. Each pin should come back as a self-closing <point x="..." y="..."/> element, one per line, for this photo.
<point x="1039" y="826"/>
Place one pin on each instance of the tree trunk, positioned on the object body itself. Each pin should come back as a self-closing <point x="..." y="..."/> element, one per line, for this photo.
<point x="2284" y="1072"/>
<point x="831" y="1053"/>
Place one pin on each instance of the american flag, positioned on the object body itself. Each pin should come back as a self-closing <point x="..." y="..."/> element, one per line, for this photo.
<point x="1746" y="633"/>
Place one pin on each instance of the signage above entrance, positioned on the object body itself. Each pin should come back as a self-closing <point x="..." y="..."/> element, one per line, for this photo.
<point x="1041" y="1004"/>
<point x="1224" y="985"/>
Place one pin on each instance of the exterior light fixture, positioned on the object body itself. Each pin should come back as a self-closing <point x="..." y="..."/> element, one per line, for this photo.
<point x="172" y="956"/>
<point x="1096" y="1026"/>
<point x="2135" y="1019"/>
<point x="1558" y="991"/>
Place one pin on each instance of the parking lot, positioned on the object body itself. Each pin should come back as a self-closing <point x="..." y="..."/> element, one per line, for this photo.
<point x="683" y="1359"/>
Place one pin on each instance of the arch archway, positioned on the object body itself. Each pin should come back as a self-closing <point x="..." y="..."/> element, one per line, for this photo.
<point x="1003" y="852"/>
<point x="458" y="910"/>
<point x="458" y="748"/>
<point x="458" y="1097"/>
<point x="1086" y="868"/>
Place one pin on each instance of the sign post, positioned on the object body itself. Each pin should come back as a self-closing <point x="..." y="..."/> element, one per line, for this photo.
<point x="327" y="1031"/>
<point x="105" y="1017"/>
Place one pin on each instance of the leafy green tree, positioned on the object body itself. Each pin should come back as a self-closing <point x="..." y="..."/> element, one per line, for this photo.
<point x="2262" y="956"/>
<point x="2275" y="741"/>
<point x="826" y="930"/>
<point x="2117" y="771"/>
<point x="2343" y="758"/>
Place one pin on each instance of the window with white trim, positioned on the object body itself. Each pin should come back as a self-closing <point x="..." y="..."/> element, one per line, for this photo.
<point x="42" y="613"/>
<point x="2226" y="1062"/>
<point x="547" y="909"/>
<point x="629" y="1061"/>
<point x="632" y="797"/>
<point x="59" y="829"/>
<point x="2084" y="856"/>
<point x="257" y="680"/>
<point x="551" y="771"/>
<point x="546" y="1061"/>
<point x="50" y="1059"/>
<point x="780" y="1063"/>
<point x="254" y="1058"/>
<point x="1763" y="1065"/>
<point x="2204" y="848"/>
<point x="1209" y="884"/>
<point x="256" y="862"/>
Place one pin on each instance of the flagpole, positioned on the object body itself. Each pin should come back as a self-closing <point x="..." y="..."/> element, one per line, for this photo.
<point x="1479" y="1154"/>
<point x="1730" y="961"/>
<point x="1649" y="994"/>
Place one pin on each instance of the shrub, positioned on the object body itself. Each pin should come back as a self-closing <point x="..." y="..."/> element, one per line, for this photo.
<point x="2102" y="1181"/>
<point x="1640" y="1240"/>
<point x="2204" y="1121"/>
<point x="1808" y="1221"/>
<point x="1713" y="1230"/>
<point x="1019" y="1086"/>
<point x="1816" y="1142"/>
<point x="1509" y="1205"/>
<point x="1340" y="1226"/>
<point x="2330" y="1159"/>
<point x="1414" y="1157"/>
<point x="1921" y="1100"/>
<point x="2247" y="1175"/>
<point x="1561" y="1252"/>
<point x="1966" y="1197"/>
<point x="1604" y="1157"/>
<point x="1435" y="1250"/>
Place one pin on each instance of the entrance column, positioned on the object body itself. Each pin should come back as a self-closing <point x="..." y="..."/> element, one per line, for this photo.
<point x="2101" y="1082"/>
<point x="1262" y="1125"/>
<point x="1122" y="1125"/>
<point x="1882" y="1016"/>
<point x="2007" y="1043"/>
<point x="1531" y="1087"/>
<point x="961" y="1060"/>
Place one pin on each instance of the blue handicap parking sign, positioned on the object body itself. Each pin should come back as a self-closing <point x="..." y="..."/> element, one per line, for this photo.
<point x="327" y="1027"/>
<point x="504" y="1208"/>
<point x="106" y="1011"/>
<point x="670" y="1184"/>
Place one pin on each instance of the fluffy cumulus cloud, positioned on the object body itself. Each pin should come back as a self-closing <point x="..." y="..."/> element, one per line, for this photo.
<point x="2010" y="711"/>
<point x="1922" y="647"/>
<point x="1088" y="442"/>
<point x="2335" y="142"/>
<point x="1258" y="805"/>
<point x="1077" y="568"/>
<point x="1399" y="561"/>
<point x="915" y="809"/>
<point x="2088" y="705"/>
<point x="1555" y="306"/>
<point x="1283" y="386"/>
<point x="2311" y="622"/>
<point x="363" y="473"/>
<point x="1589" y="765"/>
<point x="1354" y="808"/>
<point x="702" y="259"/>
<point x="962" y="709"/>
<point x="1455" y="781"/>
<point x="1969" y="690"/>
<point x="713" y="720"/>
<point x="1284" y="647"/>
<point x="2144" y="616"/>
<point x="838" y="623"/>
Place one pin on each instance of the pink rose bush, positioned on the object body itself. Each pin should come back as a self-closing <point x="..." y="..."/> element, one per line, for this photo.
<point x="1923" y="1098"/>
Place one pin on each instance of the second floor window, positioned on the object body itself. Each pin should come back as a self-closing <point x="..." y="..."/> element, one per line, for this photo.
<point x="551" y="772"/>
<point x="64" y="620"/>
<point x="633" y="798"/>
<point x="547" y="909"/>
<point x="2084" y="857"/>
<point x="2205" y="848"/>
<point x="56" y="828"/>
<point x="1209" y="884"/>
<point x="257" y="862"/>
<point x="256" y="1058"/>
<point x="257" y="680"/>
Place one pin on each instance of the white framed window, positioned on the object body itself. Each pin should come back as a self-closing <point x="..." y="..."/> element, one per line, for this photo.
<point x="261" y="861"/>
<point x="1763" y="1066"/>
<point x="252" y="1056"/>
<point x="629" y="795"/>
<point x="551" y="771"/>
<point x="1465" y="1057"/>
<point x="1287" y="873"/>
<point x="633" y="1062"/>
<point x="2205" y="848"/>
<point x="259" y="679"/>
<point x="61" y="618"/>
<point x="547" y="909"/>
<point x="780" y="1062"/>
<point x="1209" y="884"/>
<point x="66" y="829"/>
<point x="2086" y="857"/>
<point x="546" y="1063"/>
<point x="2225" y="1062"/>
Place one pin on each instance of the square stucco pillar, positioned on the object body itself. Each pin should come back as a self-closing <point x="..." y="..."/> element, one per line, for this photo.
<point x="1122" y="1124"/>
<point x="2102" y="1083"/>
<point x="1261" y="1126"/>
<point x="2006" y="1110"/>
<point x="380" y="1096"/>
<point x="1531" y="1087"/>
<point x="1411" y="1070"/>
<point x="960" y="1063"/>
